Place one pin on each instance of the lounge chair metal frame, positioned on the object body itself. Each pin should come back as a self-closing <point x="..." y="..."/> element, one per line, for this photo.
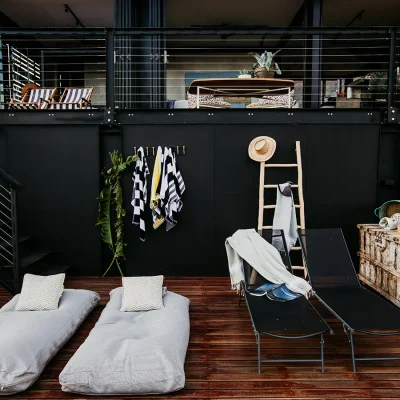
<point x="245" y="286"/>
<point x="349" y="330"/>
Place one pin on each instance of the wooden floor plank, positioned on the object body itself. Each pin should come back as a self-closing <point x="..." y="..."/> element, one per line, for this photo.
<point x="221" y="361"/>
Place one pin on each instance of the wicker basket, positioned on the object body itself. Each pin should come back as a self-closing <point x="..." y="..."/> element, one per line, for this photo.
<point x="380" y="261"/>
<point x="388" y="209"/>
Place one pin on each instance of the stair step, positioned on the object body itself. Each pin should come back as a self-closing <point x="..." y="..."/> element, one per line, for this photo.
<point x="22" y="239"/>
<point x="34" y="257"/>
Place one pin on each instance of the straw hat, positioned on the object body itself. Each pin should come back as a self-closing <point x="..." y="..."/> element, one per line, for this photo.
<point x="262" y="148"/>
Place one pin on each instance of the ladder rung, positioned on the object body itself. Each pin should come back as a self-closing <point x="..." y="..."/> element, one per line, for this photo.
<point x="270" y="227"/>
<point x="297" y="267"/>
<point x="275" y="186"/>
<point x="295" y="248"/>
<point x="274" y="206"/>
<point x="280" y="165"/>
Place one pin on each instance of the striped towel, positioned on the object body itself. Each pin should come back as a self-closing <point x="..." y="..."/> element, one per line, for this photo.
<point x="172" y="188"/>
<point x="139" y="193"/>
<point x="155" y="201"/>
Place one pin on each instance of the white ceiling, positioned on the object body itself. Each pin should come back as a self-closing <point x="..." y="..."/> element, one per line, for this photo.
<point x="186" y="13"/>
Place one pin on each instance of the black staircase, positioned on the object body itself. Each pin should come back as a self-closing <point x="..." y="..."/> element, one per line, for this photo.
<point x="19" y="254"/>
<point x="9" y="241"/>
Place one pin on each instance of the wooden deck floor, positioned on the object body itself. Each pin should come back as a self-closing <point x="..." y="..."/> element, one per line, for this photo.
<point x="222" y="356"/>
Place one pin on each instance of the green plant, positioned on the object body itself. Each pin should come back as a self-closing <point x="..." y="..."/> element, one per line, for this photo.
<point x="244" y="72"/>
<point x="111" y="196"/>
<point x="378" y="82"/>
<point x="266" y="60"/>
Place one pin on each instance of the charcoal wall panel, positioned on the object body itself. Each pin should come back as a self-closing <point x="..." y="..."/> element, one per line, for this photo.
<point x="3" y="149"/>
<point x="188" y="248"/>
<point x="340" y="175"/>
<point x="59" y="169"/>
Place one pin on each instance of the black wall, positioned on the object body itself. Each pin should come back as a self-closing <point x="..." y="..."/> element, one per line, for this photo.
<point x="59" y="167"/>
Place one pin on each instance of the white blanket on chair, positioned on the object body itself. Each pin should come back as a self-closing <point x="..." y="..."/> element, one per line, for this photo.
<point x="263" y="257"/>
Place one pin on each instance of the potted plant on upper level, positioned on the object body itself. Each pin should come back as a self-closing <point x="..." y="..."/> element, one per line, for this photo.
<point x="265" y="67"/>
<point x="244" y="73"/>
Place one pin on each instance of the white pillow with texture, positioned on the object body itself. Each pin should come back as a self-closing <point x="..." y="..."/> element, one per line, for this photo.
<point x="142" y="293"/>
<point x="40" y="293"/>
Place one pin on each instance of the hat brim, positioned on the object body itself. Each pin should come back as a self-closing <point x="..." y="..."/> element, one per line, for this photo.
<point x="262" y="157"/>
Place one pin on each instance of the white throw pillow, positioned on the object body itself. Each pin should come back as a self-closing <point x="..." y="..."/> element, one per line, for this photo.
<point x="143" y="293"/>
<point x="40" y="293"/>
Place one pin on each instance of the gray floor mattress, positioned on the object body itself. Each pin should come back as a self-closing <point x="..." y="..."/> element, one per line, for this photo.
<point x="132" y="352"/>
<point x="30" y="339"/>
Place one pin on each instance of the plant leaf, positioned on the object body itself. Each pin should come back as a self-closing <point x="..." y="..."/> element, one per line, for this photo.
<point x="112" y="195"/>
<point x="257" y="57"/>
<point x="268" y="62"/>
<point x="104" y="214"/>
<point x="277" y="69"/>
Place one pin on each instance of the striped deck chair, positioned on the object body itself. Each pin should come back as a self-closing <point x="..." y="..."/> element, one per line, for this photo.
<point x="74" y="99"/>
<point x="34" y="99"/>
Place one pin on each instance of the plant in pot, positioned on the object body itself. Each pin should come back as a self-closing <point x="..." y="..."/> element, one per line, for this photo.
<point x="244" y="73"/>
<point x="265" y="66"/>
<point x="378" y="85"/>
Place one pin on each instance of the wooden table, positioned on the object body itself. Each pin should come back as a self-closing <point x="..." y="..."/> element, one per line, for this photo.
<point x="240" y="87"/>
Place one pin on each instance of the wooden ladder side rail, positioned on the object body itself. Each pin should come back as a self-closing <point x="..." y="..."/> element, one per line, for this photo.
<point x="301" y="202"/>
<point x="300" y="206"/>
<point x="261" y="198"/>
<point x="300" y="185"/>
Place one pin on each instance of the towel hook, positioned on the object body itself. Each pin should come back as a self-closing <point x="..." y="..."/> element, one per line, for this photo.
<point x="177" y="150"/>
<point x="184" y="150"/>
<point x="153" y="152"/>
<point x="134" y="150"/>
<point x="147" y="151"/>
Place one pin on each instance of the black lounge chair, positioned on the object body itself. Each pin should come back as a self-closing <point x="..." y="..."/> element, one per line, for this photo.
<point x="335" y="281"/>
<point x="296" y="319"/>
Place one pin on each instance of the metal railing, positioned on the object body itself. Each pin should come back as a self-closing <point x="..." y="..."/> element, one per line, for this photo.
<point x="9" y="240"/>
<point x="154" y="68"/>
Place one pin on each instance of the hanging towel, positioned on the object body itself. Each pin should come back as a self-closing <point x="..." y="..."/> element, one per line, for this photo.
<point x="155" y="201"/>
<point x="285" y="217"/>
<point x="247" y="244"/>
<point x="172" y="188"/>
<point x="139" y="193"/>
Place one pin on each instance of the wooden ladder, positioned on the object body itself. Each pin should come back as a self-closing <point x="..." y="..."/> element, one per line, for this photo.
<point x="262" y="207"/>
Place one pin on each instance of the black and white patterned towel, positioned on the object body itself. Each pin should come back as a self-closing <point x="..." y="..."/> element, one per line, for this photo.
<point x="172" y="188"/>
<point x="139" y="193"/>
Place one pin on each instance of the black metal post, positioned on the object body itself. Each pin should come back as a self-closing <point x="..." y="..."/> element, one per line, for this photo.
<point x="15" y="241"/>
<point x="322" y="353"/>
<point x="353" y="358"/>
<point x="259" y="351"/>
<point x="42" y="69"/>
<point x="392" y="68"/>
<point x="110" y="78"/>
<point x="313" y="55"/>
